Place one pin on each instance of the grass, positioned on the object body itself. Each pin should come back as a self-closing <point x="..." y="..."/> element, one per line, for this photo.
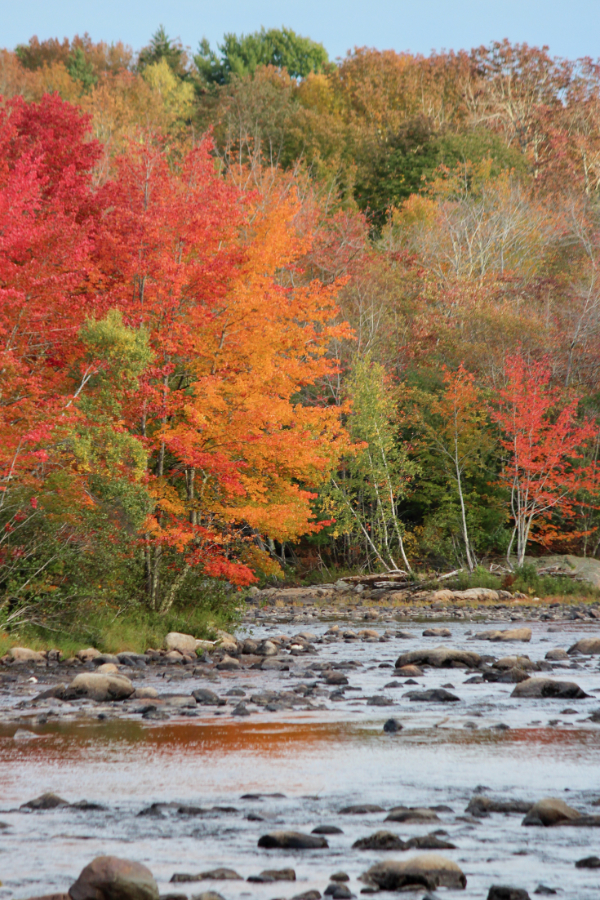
<point x="112" y="631"/>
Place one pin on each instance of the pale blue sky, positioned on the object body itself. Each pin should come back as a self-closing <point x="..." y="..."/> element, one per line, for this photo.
<point x="570" y="27"/>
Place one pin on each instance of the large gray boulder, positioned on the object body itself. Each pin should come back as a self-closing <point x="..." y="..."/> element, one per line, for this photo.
<point x="292" y="840"/>
<point x="550" y="811"/>
<point x="110" y="878"/>
<point x="440" y="658"/>
<point x="429" y="870"/>
<point x="99" y="686"/>
<point x="547" y="688"/>
<point x="508" y="634"/>
<point x="586" y="646"/>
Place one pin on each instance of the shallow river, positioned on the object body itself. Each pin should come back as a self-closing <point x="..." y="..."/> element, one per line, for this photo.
<point x="320" y="760"/>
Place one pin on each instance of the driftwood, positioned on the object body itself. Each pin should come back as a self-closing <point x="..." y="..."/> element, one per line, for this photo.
<point x="397" y="581"/>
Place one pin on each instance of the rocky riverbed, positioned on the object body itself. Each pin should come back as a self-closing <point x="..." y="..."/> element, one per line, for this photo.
<point x="378" y="733"/>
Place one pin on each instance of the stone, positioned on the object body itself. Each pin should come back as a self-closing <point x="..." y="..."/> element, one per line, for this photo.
<point x="361" y="809"/>
<point x="268" y="876"/>
<point x="228" y="664"/>
<point x="381" y="840"/>
<point x="512" y="662"/>
<point x="586" y="646"/>
<point x="409" y="672"/>
<point x="308" y="895"/>
<point x="220" y="874"/>
<point x="110" y="878"/>
<point x="547" y="688"/>
<point x="378" y="700"/>
<point x="436" y="695"/>
<point x="480" y="806"/>
<point x="509" y="634"/>
<point x="437" y="632"/>
<point x="557" y="654"/>
<point x="101" y="688"/>
<point x="45" y="801"/>
<point x="207" y="698"/>
<point x="292" y="840"/>
<point x="49" y="896"/>
<point x="333" y="678"/>
<point x="186" y="643"/>
<point x="428" y="870"/>
<point x="338" y="891"/>
<point x="339" y="877"/>
<point x="440" y="657"/>
<point x="550" y="811"/>
<point x="108" y="669"/>
<point x="88" y="654"/>
<point x="545" y="889"/>
<point x="588" y="862"/>
<point x="327" y="829"/>
<point x="412" y="814"/>
<point x="392" y="726"/>
<point x="25" y="655"/>
<point x="504" y="892"/>
<point x="145" y="693"/>
<point x="429" y="842"/>
<point x="208" y="895"/>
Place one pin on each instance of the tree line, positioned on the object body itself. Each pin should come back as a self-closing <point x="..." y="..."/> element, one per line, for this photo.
<point x="260" y="310"/>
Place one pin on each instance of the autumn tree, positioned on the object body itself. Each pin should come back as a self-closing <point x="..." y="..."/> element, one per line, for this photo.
<point x="543" y="443"/>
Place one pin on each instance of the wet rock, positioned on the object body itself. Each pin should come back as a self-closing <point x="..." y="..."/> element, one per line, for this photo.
<point x="268" y="876"/>
<point x="208" y="895"/>
<point x="173" y="896"/>
<point x="184" y="643"/>
<point x="480" y="806"/>
<point x="327" y="829"/>
<point x="586" y="646"/>
<point x="378" y="700"/>
<point x="429" y="842"/>
<point x="307" y="895"/>
<point x="220" y="874"/>
<point x="333" y="677"/>
<point x="25" y="655"/>
<point x="440" y="657"/>
<point x="340" y="877"/>
<point x="429" y="870"/>
<point x="101" y="688"/>
<point x="410" y="671"/>
<point x="392" y="726"/>
<point x="437" y="632"/>
<point x="361" y="809"/>
<point x="204" y="697"/>
<point x="145" y="693"/>
<point x="515" y="662"/>
<point x="557" y="654"/>
<point x="57" y="691"/>
<point x="110" y="878"/>
<point x="292" y="840"/>
<point x="507" y="676"/>
<point x="547" y="688"/>
<point x="544" y="889"/>
<point x="45" y="801"/>
<point x="412" y="814"/>
<point x="550" y="811"/>
<point x="589" y="862"/>
<point x="381" y="840"/>
<point x="49" y="896"/>
<point x="504" y="892"/>
<point x="436" y="695"/>
<point x="509" y="634"/>
<point x="108" y="669"/>
<point x="338" y="891"/>
<point x="274" y="664"/>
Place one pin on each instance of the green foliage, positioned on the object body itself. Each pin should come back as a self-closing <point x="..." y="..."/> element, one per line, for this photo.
<point x="162" y="47"/>
<point x="281" y="48"/>
<point x="81" y="69"/>
<point x="528" y="580"/>
<point x="407" y="161"/>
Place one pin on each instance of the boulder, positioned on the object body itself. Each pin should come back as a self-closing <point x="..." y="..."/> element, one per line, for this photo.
<point x="588" y="862"/>
<point x="586" y="646"/>
<point x="333" y="678"/>
<point x="381" y="840"/>
<point x="392" y="726"/>
<point x="550" y="811"/>
<point x="557" y="653"/>
<point x="547" y="688"/>
<point x="204" y="697"/>
<point x="110" y="878"/>
<point x="481" y="806"/>
<point x="429" y="842"/>
<point x="108" y="669"/>
<point x="186" y="643"/>
<point x="436" y="695"/>
<point x="25" y="655"/>
<point x="88" y="654"/>
<point x="146" y="693"/>
<point x="268" y="876"/>
<point x="428" y="870"/>
<point x="509" y="634"/>
<point x="208" y="895"/>
<point x="440" y="658"/>
<point x="410" y="672"/>
<point x="45" y="801"/>
<point x="220" y="874"/>
<point x="515" y="662"/>
<point x="292" y="840"/>
<point x="412" y="814"/>
<point x="505" y="892"/>
<point x="99" y="687"/>
<point x="437" y="632"/>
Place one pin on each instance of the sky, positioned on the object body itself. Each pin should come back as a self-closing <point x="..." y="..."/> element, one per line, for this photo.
<point x="571" y="28"/>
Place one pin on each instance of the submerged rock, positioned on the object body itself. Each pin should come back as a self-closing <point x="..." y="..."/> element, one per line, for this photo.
<point x="589" y="862"/>
<point x="504" y="892"/>
<point x="392" y="726"/>
<point x="440" y="657"/>
<point x="480" y="806"/>
<point x="361" y="809"/>
<point x="268" y="876"/>
<point x="45" y="801"/>
<point x="412" y="814"/>
<point x="110" y="878"/>
<point x="436" y="695"/>
<point x="381" y="840"/>
<point x="292" y="840"/>
<point x="428" y="870"/>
